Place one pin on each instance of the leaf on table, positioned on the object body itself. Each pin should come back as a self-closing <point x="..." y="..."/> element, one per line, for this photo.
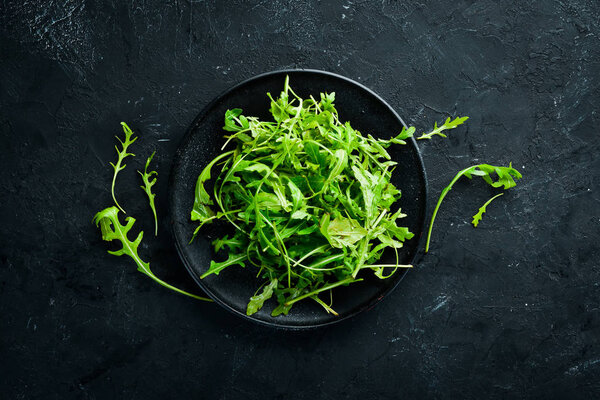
<point x="448" y="124"/>
<point x="112" y="229"/>
<point x="201" y="210"/>
<point x="496" y="176"/>
<point x="343" y="232"/>
<point x="399" y="232"/>
<point x="147" y="188"/>
<point x="314" y="153"/>
<point x="121" y="155"/>
<point x="235" y="243"/>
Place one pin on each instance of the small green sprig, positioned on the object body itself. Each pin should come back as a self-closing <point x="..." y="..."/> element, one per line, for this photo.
<point x="448" y="124"/>
<point x="121" y="154"/>
<point x="112" y="229"/>
<point x="108" y="219"/>
<point x="147" y="188"/>
<point x="505" y="177"/>
<point x="477" y="217"/>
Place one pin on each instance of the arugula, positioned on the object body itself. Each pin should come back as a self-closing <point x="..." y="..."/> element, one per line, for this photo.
<point x="492" y="175"/>
<point x="448" y="124"/>
<point x="256" y="302"/>
<point x="112" y="229"/>
<point x="477" y="217"/>
<point x="307" y="198"/>
<point x="121" y="154"/>
<point x="147" y="188"/>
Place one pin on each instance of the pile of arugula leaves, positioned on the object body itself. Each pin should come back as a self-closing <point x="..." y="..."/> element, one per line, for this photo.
<point x="309" y="197"/>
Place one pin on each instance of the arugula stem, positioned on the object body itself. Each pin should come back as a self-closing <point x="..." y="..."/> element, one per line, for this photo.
<point x="165" y="284"/>
<point x="322" y="289"/>
<point x="439" y="202"/>
<point x="145" y="268"/>
<point x="112" y="189"/>
<point x="378" y="220"/>
<point x="232" y="137"/>
<point x="218" y="198"/>
<point x="310" y="253"/>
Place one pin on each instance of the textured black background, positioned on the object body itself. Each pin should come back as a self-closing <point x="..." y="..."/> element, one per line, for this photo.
<point x="511" y="309"/>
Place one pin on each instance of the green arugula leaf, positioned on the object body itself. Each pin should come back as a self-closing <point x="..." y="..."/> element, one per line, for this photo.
<point x="448" y="124"/>
<point x="256" y="302"/>
<point x="112" y="229"/>
<point x="147" y="188"/>
<point x="405" y="134"/>
<point x="282" y="308"/>
<point x="504" y="177"/>
<point x="297" y="196"/>
<point x="232" y="259"/>
<point x="232" y="120"/>
<point x="201" y="210"/>
<point x="344" y="232"/>
<point x="477" y="217"/>
<point x="338" y="163"/>
<point x="121" y="154"/>
<point x="234" y="244"/>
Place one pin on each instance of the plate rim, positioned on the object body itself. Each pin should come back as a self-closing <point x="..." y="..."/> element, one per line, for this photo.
<point x="176" y="161"/>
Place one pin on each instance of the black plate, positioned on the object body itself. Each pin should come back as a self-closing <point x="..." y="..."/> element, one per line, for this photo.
<point x="355" y="103"/>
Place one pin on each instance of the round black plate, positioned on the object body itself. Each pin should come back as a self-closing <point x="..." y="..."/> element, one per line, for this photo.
<point x="368" y="113"/>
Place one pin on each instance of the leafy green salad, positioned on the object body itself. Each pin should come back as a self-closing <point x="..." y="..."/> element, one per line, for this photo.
<point x="308" y="197"/>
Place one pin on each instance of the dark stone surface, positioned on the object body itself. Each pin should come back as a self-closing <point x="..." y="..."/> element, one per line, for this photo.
<point x="510" y="309"/>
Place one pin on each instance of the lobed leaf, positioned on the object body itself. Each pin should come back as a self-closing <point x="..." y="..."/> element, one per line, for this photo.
<point x="256" y="302"/>
<point x="112" y="229"/>
<point x="477" y="217"/>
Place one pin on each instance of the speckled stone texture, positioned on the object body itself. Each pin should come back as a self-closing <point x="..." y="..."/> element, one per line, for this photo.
<point x="508" y="310"/>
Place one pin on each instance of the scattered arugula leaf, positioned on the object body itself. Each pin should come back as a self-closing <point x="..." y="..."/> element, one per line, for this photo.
<point x="147" y="188"/>
<point x="448" y="124"/>
<point x="505" y="177"/>
<point x="121" y="154"/>
<point x="477" y="217"/>
<point x="112" y="229"/>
